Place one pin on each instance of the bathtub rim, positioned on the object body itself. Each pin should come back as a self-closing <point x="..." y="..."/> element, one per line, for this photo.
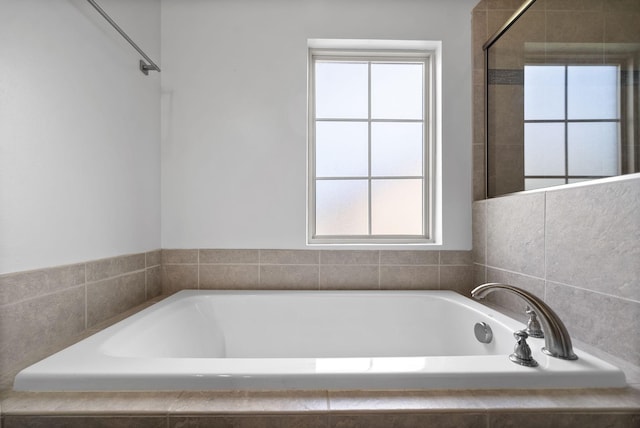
<point x="334" y="383"/>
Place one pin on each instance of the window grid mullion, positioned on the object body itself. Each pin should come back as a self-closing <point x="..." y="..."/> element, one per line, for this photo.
<point x="566" y="125"/>
<point x="369" y="202"/>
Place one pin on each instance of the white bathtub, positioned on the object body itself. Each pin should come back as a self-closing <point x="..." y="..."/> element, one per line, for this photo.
<point x="205" y="340"/>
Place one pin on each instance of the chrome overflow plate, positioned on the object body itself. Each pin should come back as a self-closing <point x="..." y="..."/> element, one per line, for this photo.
<point x="483" y="332"/>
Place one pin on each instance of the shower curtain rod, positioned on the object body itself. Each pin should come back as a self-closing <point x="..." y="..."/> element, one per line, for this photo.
<point x="144" y="67"/>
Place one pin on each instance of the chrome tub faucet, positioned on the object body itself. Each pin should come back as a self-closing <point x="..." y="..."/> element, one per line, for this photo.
<point x="557" y="342"/>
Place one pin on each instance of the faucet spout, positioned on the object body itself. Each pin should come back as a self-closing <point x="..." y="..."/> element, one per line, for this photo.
<point x="557" y="342"/>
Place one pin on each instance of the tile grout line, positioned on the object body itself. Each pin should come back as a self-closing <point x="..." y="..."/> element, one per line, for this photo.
<point x="259" y="267"/>
<point x="379" y="270"/>
<point x="439" y="270"/>
<point x="544" y="244"/>
<point x="86" y="299"/>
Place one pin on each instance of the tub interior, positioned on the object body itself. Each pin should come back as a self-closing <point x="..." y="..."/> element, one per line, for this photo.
<point x="308" y="326"/>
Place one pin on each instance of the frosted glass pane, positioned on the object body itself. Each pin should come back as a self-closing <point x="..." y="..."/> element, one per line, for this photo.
<point x="593" y="149"/>
<point x="342" y="149"/>
<point x="541" y="183"/>
<point x="593" y="92"/>
<point x="396" y="91"/>
<point x="341" y="90"/>
<point x="396" y="207"/>
<point x="342" y="207"/>
<point x="544" y="149"/>
<point x="543" y="92"/>
<point x="396" y="149"/>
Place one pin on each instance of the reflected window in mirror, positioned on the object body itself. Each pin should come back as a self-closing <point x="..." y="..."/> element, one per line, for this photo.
<point x="567" y="136"/>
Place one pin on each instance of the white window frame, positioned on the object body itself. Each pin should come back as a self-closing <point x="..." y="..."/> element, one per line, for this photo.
<point x="428" y="57"/>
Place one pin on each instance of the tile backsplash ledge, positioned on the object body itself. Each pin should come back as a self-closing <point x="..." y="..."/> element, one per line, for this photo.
<point x="316" y="270"/>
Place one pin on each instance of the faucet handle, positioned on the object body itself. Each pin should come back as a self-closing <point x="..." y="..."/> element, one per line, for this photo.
<point x="533" y="325"/>
<point x="521" y="352"/>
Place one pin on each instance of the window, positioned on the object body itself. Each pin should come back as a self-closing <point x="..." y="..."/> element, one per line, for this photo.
<point x="370" y="146"/>
<point x="567" y="137"/>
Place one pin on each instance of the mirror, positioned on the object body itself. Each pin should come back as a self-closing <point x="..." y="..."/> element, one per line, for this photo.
<point x="562" y="94"/>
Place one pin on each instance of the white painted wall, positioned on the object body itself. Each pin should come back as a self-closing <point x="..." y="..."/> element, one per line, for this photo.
<point x="234" y="112"/>
<point x="79" y="132"/>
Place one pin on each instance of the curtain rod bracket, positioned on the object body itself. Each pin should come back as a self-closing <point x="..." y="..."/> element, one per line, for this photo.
<point x="144" y="67"/>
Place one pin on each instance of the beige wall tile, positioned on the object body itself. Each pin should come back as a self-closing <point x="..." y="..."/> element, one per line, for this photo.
<point x="574" y="5"/>
<point x="479" y="161"/>
<point x="479" y="274"/>
<point x="224" y="277"/>
<point x="289" y="277"/>
<point x="622" y="26"/>
<point x="409" y="277"/>
<point x="533" y="285"/>
<point x="32" y="326"/>
<point x="479" y="232"/>
<point x="592" y="237"/>
<point x="479" y="35"/>
<point x="27" y="285"/>
<point x="515" y="233"/>
<point x="286" y="257"/>
<point x="179" y="277"/>
<point x="171" y="256"/>
<point x="504" y="4"/>
<point x="409" y="257"/>
<point x="604" y="321"/>
<point x="114" y="266"/>
<point x="110" y="297"/>
<point x="457" y="278"/>
<point x="229" y="256"/>
<point x="455" y="258"/>
<point x="153" y="258"/>
<point x="348" y="277"/>
<point x="153" y="281"/>
<point x="496" y="18"/>
<point x="349" y="257"/>
<point x="575" y="26"/>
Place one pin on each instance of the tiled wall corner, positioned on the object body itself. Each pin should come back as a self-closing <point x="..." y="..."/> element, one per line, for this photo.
<point x="44" y="309"/>
<point x="153" y="260"/>
<point x="315" y="269"/>
<point x="576" y="248"/>
<point x="515" y="233"/>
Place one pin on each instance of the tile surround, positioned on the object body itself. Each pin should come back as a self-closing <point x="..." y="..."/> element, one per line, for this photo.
<point x="315" y="269"/>
<point x="42" y="310"/>
<point x="576" y="247"/>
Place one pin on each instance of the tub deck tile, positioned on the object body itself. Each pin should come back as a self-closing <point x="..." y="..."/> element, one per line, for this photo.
<point x="88" y="403"/>
<point x="247" y="402"/>
<point x="602" y="400"/>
